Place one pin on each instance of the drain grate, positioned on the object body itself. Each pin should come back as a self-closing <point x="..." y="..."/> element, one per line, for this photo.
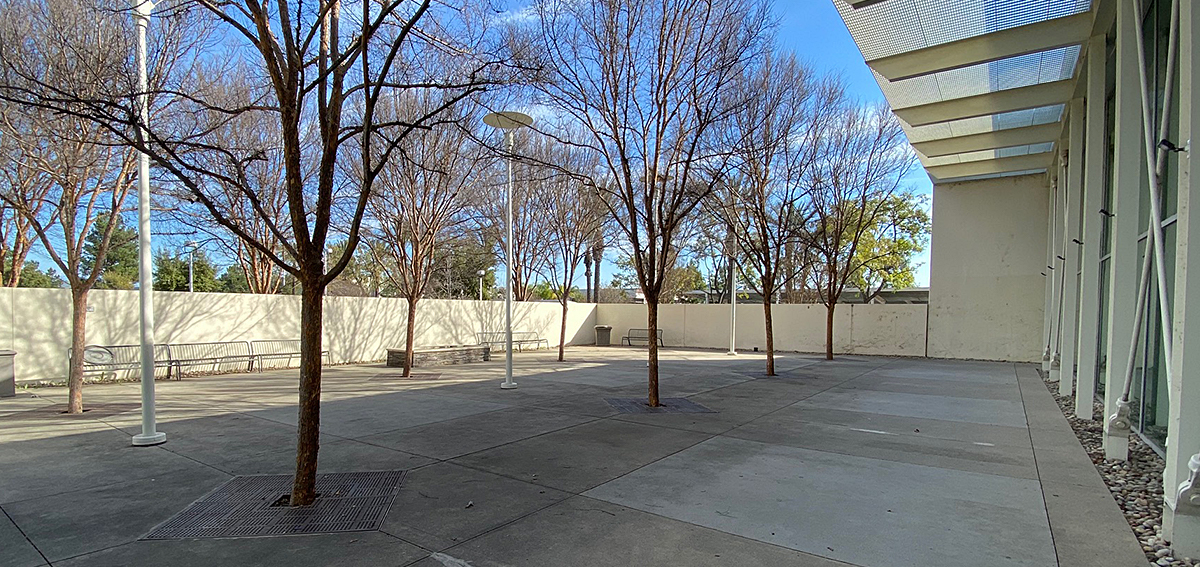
<point x="413" y="376"/>
<point x="243" y="507"/>
<point x="666" y="405"/>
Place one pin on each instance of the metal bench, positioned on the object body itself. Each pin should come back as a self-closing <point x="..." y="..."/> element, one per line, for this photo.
<point x="114" y="359"/>
<point x="277" y="349"/>
<point x="211" y="358"/>
<point x="642" y="335"/>
<point x="519" y="338"/>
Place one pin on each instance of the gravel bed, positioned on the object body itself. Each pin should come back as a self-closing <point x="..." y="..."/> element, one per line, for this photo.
<point x="1135" y="484"/>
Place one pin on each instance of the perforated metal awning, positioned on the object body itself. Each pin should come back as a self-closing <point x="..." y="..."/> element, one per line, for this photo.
<point x="980" y="85"/>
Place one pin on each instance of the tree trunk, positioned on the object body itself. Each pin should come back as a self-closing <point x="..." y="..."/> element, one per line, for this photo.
<point x="829" y="330"/>
<point x="78" y="328"/>
<point x="309" y="427"/>
<point x="562" y="331"/>
<point x="652" y="372"/>
<point x="587" y="278"/>
<point x="410" y="332"/>
<point x="596" y="259"/>
<point x="770" y="336"/>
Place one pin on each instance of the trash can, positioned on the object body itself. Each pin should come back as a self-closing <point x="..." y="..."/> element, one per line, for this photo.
<point x="8" y="376"/>
<point x="603" y="335"/>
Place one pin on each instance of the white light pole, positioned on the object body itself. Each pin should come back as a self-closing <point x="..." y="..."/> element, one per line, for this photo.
<point x="480" y="274"/>
<point x="149" y="434"/>
<point x="191" y="245"/>
<point x="508" y="121"/>
<point x="729" y="245"/>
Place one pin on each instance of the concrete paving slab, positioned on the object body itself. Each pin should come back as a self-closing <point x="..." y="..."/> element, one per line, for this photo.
<point x="66" y="525"/>
<point x="464" y="435"/>
<point x="580" y="457"/>
<point x="386" y="412"/>
<point x="77" y="461"/>
<point x="881" y="382"/>
<point x="731" y="410"/>
<point x="582" y="532"/>
<point x="445" y="504"/>
<point x="1007" y="460"/>
<point x="336" y="455"/>
<point x="902" y="425"/>
<point x="853" y="509"/>
<point x="17" y="550"/>
<point x="1089" y="528"/>
<point x="365" y="549"/>
<point x="988" y="412"/>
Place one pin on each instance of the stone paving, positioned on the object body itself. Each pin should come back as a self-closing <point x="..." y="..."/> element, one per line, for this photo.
<point x="865" y="461"/>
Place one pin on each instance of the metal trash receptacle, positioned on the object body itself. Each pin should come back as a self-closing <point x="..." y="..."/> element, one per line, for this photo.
<point x="8" y="375"/>
<point x="603" y="335"/>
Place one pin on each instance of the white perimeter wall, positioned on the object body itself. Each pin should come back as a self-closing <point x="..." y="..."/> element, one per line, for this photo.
<point x="858" y="329"/>
<point x="986" y="290"/>
<point x="37" y="323"/>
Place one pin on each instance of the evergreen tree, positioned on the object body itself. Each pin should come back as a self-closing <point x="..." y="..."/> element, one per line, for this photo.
<point x="120" y="269"/>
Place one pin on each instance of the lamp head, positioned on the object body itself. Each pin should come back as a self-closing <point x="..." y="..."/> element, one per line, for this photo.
<point x="508" y="120"/>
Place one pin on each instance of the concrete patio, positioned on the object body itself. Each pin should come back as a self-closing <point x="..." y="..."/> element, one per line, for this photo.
<point x="865" y="461"/>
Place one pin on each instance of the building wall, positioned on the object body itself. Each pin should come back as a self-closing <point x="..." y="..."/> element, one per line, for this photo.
<point x="858" y="329"/>
<point x="37" y="323"/>
<point x="985" y="285"/>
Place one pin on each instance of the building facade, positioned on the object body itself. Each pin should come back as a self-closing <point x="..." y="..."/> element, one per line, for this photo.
<point x="1057" y="134"/>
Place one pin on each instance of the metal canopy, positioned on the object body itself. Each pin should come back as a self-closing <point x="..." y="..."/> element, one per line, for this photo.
<point x="978" y="84"/>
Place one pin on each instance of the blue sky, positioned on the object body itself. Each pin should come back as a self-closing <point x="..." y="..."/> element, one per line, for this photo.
<point x="812" y="29"/>
<point x="815" y="32"/>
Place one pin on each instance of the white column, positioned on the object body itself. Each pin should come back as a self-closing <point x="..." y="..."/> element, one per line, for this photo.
<point x="1057" y="228"/>
<point x="1181" y="519"/>
<point x="1095" y="150"/>
<point x="1048" y="315"/>
<point x="1071" y="250"/>
<point x="1127" y="178"/>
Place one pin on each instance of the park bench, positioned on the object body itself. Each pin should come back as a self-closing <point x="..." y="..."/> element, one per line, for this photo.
<point x="519" y="338"/>
<point x="642" y="335"/>
<point x="112" y="359"/>
<point x="277" y="349"/>
<point x="211" y="358"/>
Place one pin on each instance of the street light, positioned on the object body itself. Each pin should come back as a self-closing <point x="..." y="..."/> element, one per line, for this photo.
<point x="480" y="273"/>
<point x="191" y="245"/>
<point x="508" y="121"/>
<point x="149" y="435"/>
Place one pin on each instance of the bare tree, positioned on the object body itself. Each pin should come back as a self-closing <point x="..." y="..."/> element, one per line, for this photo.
<point x="530" y="237"/>
<point x="320" y="74"/>
<point x="650" y="81"/>
<point x="864" y="159"/>
<point x="23" y="178"/>
<point x="776" y="141"/>
<point x="420" y="199"/>
<point x="87" y="175"/>
<point x="574" y="216"/>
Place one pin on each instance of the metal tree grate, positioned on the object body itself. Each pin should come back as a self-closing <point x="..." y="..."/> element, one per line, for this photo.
<point x="245" y="507"/>
<point x="413" y="376"/>
<point x="666" y="405"/>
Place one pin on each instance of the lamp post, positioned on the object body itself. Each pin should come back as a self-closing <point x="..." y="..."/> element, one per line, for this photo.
<point x="508" y="122"/>
<point x="730" y="245"/>
<point x="480" y="273"/>
<point x="149" y="435"/>
<point x="191" y="246"/>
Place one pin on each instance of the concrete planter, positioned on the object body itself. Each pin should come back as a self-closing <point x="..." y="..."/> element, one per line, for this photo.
<point x="441" y="356"/>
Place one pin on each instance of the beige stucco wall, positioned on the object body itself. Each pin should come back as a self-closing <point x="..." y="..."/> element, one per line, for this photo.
<point x="858" y="329"/>
<point x="985" y="286"/>
<point x="37" y="323"/>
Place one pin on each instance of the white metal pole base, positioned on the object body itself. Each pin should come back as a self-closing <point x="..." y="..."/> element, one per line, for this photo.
<point x="147" y="440"/>
<point x="731" y="353"/>
<point x="508" y="385"/>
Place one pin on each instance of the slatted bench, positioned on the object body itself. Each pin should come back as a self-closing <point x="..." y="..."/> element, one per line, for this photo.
<point x="642" y="335"/>
<point x="211" y="358"/>
<point x="277" y="349"/>
<point x="497" y="339"/>
<point x="113" y="359"/>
